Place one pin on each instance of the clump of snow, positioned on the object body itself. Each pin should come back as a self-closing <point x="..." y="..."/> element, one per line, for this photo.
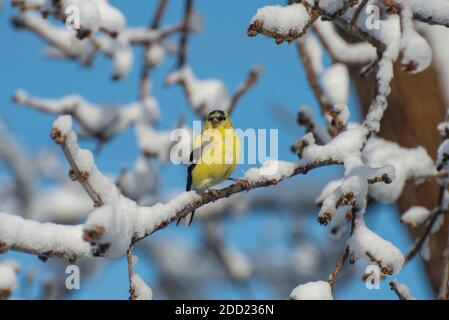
<point x="315" y="52"/>
<point x="122" y="57"/>
<point x="238" y="264"/>
<point x="282" y="20"/>
<point x="365" y="244"/>
<point x="329" y="6"/>
<point x="270" y="170"/>
<point x="361" y="52"/>
<point x="112" y="19"/>
<point x="436" y="10"/>
<point x="141" y="290"/>
<point x="415" y="216"/>
<point x="141" y="182"/>
<point x="416" y="51"/>
<point x="388" y="33"/>
<point x="407" y="163"/>
<point x="328" y="189"/>
<point x="345" y="147"/>
<point x="95" y="14"/>
<point x="338" y="224"/>
<point x="155" y="55"/>
<point x="403" y="290"/>
<point x="336" y="84"/>
<point x="66" y="203"/>
<point x="42" y="237"/>
<point x="306" y="259"/>
<point x="318" y="290"/>
<point x="89" y="13"/>
<point x="8" y="276"/>
<point x="205" y="95"/>
<point x="63" y="124"/>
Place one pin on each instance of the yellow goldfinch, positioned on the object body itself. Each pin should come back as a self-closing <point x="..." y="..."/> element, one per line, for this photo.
<point x="216" y="152"/>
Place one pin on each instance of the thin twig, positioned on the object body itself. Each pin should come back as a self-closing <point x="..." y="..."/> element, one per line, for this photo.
<point x="444" y="289"/>
<point x="144" y="85"/>
<point x="358" y="11"/>
<point x="312" y="77"/>
<point x="158" y="14"/>
<point x="417" y="246"/>
<point x="338" y="266"/>
<point x="129" y="255"/>
<point x="76" y="174"/>
<point x="182" y="55"/>
<point x="250" y="81"/>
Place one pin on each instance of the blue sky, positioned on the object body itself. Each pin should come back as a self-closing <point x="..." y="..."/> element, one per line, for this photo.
<point x="223" y="51"/>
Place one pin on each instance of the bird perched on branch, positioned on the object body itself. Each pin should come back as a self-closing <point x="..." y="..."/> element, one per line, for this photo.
<point x="214" y="156"/>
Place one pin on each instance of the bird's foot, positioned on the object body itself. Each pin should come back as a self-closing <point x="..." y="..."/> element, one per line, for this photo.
<point x="244" y="183"/>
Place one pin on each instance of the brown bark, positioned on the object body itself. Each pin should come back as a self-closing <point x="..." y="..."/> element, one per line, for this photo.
<point x="416" y="106"/>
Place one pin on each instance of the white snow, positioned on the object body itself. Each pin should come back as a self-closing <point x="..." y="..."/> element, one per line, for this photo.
<point x="66" y="203"/>
<point x="415" y="216"/>
<point x="8" y="275"/>
<point x="107" y="119"/>
<point x="205" y="95"/>
<point x="336" y="84"/>
<point x="329" y="6"/>
<point x="343" y="51"/>
<point x="437" y="36"/>
<point x="97" y="13"/>
<point x="345" y="147"/>
<point x="319" y="132"/>
<point x="239" y="265"/>
<point x="89" y="13"/>
<point x="155" y="55"/>
<point x="318" y="290"/>
<point x="36" y="237"/>
<point x="415" y="49"/>
<point x="112" y="19"/>
<point x="122" y="57"/>
<point x="403" y="290"/>
<point x="407" y="163"/>
<point x="436" y="10"/>
<point x="282" y="20"/>
<point x="314" y="51"/>
<point x="141" y="289"/>
<point x="365" y="242"/>
<point x="270" y="170"/>
<point x="388" y="33"/>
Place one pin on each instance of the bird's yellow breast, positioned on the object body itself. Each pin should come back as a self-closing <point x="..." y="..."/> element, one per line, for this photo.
<point x="219" y="157"/>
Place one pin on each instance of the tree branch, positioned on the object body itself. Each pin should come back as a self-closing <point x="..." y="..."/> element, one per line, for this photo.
<point x="250" y="81"/>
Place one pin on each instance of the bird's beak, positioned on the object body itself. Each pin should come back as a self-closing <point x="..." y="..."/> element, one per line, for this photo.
<point x="214" y="123"/>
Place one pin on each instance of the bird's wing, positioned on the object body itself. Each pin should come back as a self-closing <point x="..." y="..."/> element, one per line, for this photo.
<point x="190" y="169"/>
<point x="195" y="157"/>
